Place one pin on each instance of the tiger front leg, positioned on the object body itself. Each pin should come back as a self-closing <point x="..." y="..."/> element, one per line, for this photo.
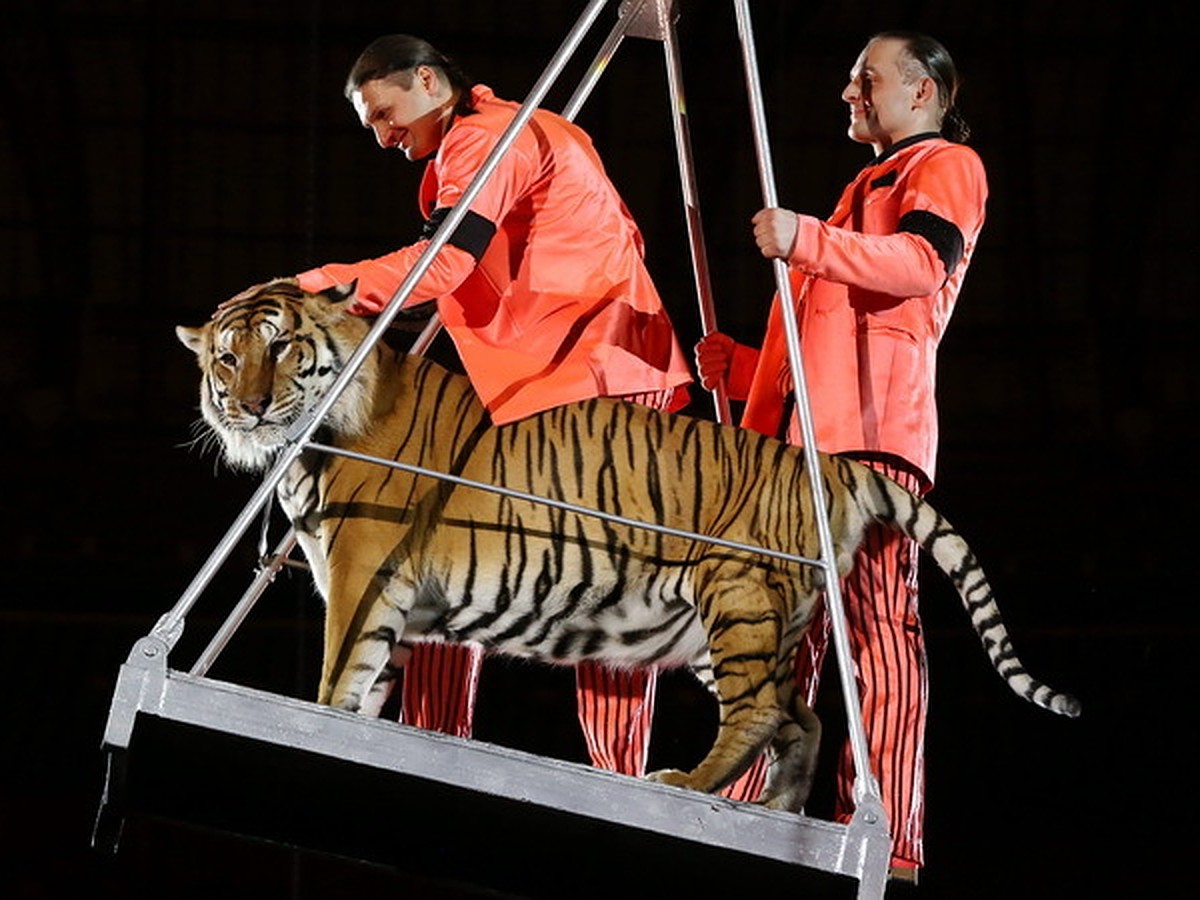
<point x="357" y="674"/>
<point x="743" y="634"/>
<point x="381" y="690"/>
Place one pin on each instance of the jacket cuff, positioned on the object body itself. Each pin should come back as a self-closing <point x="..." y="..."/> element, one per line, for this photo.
<point x="742" y="363"/>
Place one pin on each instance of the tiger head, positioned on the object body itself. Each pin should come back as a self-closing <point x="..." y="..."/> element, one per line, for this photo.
<point x="267" y="357"/>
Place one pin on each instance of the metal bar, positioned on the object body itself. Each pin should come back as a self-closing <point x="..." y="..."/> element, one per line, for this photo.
<point x="691" y="207"/>
<point x="599" y="63"/>
<point x="563" y="505"/>
<point x="420" y="346"/>
<point x="266" y="575"/>
<point x="647" y="18"/>
<point x="865" y="783"/>
<point x="170" y="626"/>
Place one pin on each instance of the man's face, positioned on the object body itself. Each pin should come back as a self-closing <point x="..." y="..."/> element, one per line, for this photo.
<point x="884" y="107"/>
<point x="411" y="118"/>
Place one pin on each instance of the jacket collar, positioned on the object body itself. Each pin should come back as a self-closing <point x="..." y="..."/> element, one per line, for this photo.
<point x="907" y="142"/>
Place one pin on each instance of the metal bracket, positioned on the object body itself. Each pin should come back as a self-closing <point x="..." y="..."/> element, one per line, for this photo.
<point x="868" y="832"/>
<point x="648" y="18"/>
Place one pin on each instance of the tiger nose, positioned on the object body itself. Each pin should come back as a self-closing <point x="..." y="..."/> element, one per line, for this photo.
<point x="256" y="405"/>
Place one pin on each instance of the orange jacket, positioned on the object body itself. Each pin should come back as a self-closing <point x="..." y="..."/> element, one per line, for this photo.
<point x="875" y="286"/>
<point x="542" y="287"/>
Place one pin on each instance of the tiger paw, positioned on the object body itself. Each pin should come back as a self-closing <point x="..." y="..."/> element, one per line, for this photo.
<point x="673" y="777"/>
<point x="785" y="801"/>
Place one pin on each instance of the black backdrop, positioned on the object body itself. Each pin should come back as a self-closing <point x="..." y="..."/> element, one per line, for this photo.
<point x="157" y="157"/>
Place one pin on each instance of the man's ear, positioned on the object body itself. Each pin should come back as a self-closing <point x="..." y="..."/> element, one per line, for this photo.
<point x="926" y="94"/>
<point x="427" y="78"/>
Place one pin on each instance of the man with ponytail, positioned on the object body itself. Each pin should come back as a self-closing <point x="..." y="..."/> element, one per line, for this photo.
<point x="874" y="287"/>
<point x="543" y="289"/>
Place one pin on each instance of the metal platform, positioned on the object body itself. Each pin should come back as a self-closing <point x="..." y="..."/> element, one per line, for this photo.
<point x="184" y="747"/>
<point x="217" y="755"/>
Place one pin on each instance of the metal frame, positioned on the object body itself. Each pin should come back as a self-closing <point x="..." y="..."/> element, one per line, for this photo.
<point x="148" y="688"/>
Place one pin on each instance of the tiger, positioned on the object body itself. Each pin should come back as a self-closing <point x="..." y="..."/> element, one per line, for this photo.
<point x="401" y="556"/>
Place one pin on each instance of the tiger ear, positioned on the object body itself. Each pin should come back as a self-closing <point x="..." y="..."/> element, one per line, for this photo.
<point x="340" y="293"/>
<point x="192" y="338"/>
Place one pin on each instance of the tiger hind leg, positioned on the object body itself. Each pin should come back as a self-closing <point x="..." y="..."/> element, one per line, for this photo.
<point x="739" y="742"/>
<point x="793" y="752"/>
<point x="743" y="647"/>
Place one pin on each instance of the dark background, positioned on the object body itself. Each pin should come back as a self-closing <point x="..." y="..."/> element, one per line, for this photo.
<point x="157" y="157"/>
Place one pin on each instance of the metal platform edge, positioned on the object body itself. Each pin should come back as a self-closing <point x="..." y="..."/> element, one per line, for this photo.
<point x="146" y="687"/>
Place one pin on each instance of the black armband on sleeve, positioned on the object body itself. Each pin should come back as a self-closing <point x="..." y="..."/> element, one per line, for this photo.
<point x="943" y="234"/>
<point x="473" y="233"/>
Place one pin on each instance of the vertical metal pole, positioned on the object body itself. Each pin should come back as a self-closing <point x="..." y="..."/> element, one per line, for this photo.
<point x="865" y="783"/>
<point x="691" y="205"/>
<point x="170" y="626"/>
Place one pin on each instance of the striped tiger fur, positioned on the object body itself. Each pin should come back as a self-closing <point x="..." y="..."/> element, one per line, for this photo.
<point x="401" y="557"/>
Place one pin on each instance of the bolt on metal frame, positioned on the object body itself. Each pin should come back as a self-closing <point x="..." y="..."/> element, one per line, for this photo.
<point x="859" y="849"/>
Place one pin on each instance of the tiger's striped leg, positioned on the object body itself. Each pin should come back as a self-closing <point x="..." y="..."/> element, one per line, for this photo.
<point x="747" y="787"/>
<point x="743" y="647"/>
<point x="352" y="682"/>
<point x="378" y="695"/>
<point x="794" y="749"/>
<point x="361" y="629"/>
<point x="782" y="778"/>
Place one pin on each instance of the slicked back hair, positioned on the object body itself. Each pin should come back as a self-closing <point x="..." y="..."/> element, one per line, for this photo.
<point x="395" y="57"/>
<point x="929" y="57"/>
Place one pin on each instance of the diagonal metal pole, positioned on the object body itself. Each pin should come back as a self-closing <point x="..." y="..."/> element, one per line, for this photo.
<point x="865" y="783"/>
<point x="655" y="19"/>
<point x="170" y="626"/>
<point x="626" y="14"/>
<point x="269" y="568"/>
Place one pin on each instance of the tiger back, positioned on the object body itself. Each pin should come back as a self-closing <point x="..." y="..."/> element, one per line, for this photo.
<point x="402" y="556"/>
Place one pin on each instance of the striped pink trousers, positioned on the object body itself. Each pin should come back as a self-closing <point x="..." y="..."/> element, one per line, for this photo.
<point x="880" y="599"/>
<point x="615" y="706"/>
